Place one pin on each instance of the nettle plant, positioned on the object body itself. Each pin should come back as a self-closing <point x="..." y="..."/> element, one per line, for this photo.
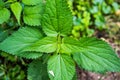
<point x="55" y="53"/>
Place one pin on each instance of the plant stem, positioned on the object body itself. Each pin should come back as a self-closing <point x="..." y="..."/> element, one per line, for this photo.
<point x="59" y="41"/>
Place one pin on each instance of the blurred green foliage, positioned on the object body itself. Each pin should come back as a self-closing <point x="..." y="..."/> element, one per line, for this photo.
<point x="12" y="67"/>
<point x="88" y="15"/>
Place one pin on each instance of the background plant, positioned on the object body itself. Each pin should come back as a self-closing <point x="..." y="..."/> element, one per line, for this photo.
<point x="90" y="15"/>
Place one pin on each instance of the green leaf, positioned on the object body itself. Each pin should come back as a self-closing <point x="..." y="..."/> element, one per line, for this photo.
<point x="94" y="9"/>
<point x="30" y="54"/>
<point x="16" y="9"/>
<point x="47" y="44"/>
<point x="3" y="35"/>
<point x="4" y="15"/>
<point x="37" y="71"/>
<point x="32" y="15"/>
<point x="75" y="77"/>
<point x="97" y="1"/>
<point x="106" y="9"/>
<point x="11" y="1"/>
<point x="32" y="2"/>
<point x="100" y="22"/>
<point x="115" y="6"/>
<point x="1" y="4"/>
<point x="57" y="18"/>
<point x="95" y="55"/>
<point x="70" y="45"/>
<point x="61" y="67"/>
<point x="19" y="40"/>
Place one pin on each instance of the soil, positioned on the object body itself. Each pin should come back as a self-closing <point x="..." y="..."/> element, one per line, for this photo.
<point x="84" y="75"/>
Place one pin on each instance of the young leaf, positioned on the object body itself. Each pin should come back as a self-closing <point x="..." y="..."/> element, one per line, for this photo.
<point x="61" y="67"/>
<point x="32" y="2"/>
<point x="4" y="15"/>
<point x="37" y="71"/>
<point x="47" y="44"/>
<point x="70" y="45"/>
<point x="96" y="55"/>
<point x="16" y="9"/>
<point x="57" y="18"/>
<point x="21" y="39"/>
<point x="32" y="15"/>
